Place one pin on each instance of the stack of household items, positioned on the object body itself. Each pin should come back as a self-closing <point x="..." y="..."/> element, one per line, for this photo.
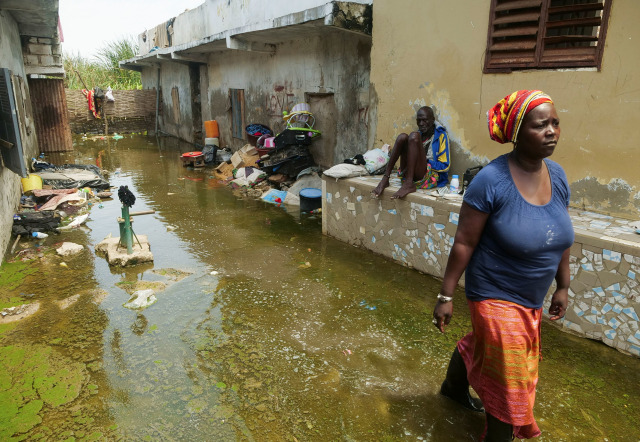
<point x="275" y="168"/>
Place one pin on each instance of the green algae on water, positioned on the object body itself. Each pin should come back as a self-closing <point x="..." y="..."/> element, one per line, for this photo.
<point x="32" y="378"/>
<point x="12" y="275"/>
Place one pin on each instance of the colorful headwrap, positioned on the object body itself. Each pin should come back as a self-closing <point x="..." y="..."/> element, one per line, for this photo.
<point x="506" y="117"/>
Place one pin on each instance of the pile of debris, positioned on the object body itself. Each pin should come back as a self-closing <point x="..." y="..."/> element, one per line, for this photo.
<point x="274" y="168"/>
<point x="57" y="198"/>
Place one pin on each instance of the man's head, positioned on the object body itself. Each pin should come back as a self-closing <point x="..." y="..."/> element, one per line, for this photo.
<point x="426" y="120"/>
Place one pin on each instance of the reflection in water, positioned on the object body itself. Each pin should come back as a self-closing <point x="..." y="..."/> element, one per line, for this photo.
<point x="248" y="342"/>
<point x="139" y="326"/>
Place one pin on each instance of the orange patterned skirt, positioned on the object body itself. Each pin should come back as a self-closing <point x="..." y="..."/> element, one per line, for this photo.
<point x="501" y="355"/>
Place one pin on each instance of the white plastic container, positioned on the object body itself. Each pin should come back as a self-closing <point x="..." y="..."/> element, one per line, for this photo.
<point x="39" y="235"/>
<point x="454" y="186"/>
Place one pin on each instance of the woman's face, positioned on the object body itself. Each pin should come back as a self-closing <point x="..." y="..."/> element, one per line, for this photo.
<point x="540" y="132"/>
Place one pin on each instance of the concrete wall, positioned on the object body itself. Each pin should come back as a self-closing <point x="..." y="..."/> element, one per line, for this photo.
<point x="337" y="63"/>
<point x="42" y="56"/>
<point x="175" y="115"/>
<point x="10" y="187"/>
<point x="217" y="16"/>
<point x="418" y="232"/>
<point x="432" y="52"/>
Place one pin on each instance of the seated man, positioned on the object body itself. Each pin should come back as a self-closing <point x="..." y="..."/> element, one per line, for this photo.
<point x="424" y="157"/>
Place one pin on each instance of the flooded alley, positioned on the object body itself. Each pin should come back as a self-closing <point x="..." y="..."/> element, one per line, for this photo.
<point x="263" y="330"/>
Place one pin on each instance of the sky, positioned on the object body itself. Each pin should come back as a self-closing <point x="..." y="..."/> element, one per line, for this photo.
<point x="88" y="24"/>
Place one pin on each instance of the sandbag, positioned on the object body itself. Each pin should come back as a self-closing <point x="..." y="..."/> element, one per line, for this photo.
<point x="345" y="170"/>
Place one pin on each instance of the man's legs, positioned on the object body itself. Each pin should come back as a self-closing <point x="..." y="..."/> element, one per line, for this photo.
<point x="398" y="151"/>
<point x="413" y="165"/>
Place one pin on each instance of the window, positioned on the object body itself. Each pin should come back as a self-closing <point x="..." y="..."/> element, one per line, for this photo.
<point x="10" y="140"/>
<point x="543" y="34"/>
<point x="236" y="97"/>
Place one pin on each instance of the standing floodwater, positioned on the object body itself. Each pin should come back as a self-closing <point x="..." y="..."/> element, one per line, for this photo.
<point x="263" y="329"/>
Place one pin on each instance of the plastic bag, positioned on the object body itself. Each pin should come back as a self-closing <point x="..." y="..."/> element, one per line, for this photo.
<point x="375" y="159"/>
<point x="109" y="94"/>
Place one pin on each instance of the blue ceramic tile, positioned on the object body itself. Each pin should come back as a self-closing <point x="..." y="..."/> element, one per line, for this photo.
<point x="630" y="311"/>
<point x="611" y="255"/>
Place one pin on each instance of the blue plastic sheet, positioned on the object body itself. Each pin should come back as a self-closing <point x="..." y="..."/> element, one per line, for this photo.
<point x="273" y="194"/>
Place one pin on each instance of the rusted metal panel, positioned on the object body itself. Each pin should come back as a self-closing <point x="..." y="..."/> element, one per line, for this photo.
<point x="50" y="113"/>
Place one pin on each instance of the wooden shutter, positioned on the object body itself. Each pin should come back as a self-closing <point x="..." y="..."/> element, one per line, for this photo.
<point x="237" y="113"/>
<point x="529" y="34"/>
<point x="11" y="141"/>
<point x="514" y="26"/>
<point x="574" y="33"/>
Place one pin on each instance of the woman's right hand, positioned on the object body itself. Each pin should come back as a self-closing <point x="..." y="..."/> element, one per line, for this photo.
<point x="442" y="314"/>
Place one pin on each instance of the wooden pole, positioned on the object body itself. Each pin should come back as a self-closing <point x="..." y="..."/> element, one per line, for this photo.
<point x="143" y="212"/>
<point x="81" y="80"/>
<point x="15" y="244"/>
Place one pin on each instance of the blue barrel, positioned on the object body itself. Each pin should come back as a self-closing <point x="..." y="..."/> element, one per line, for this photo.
<point x="310" y="199"/>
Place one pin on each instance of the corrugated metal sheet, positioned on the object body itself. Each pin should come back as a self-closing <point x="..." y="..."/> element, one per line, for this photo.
<point x="50" y="113"/>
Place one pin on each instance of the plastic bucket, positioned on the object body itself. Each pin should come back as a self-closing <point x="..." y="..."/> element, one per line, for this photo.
<point x="310" y="199"/>
<point x="31" y="182"/>
<point x="211" y="129"/>
<point x="212" y="142"/>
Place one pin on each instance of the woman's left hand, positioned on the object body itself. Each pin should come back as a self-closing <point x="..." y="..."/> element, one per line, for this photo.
<point x="559" y="302"/>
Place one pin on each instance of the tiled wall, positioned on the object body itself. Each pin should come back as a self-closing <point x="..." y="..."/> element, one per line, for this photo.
<point x="418" y="232"/>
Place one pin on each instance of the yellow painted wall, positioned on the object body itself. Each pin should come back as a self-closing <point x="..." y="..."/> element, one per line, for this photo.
<point x="432" y="52"/>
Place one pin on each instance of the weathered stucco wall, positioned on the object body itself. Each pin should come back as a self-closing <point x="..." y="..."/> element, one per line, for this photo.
<point x="217" y="16"/>
<point x="418" y="232"/>
<point x="176" y="115"/>
<point x="337" y="63"/>
<point x="10" y="188"/>
<point x="432" y="52"/>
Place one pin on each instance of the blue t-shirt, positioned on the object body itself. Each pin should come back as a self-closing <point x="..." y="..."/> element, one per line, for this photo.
<point x="521" y="245"/>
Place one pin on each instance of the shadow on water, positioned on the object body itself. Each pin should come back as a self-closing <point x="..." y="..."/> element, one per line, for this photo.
<point x="264" y="329"/>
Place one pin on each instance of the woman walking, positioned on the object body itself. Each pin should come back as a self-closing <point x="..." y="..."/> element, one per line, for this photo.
<point x="513" y="239"/>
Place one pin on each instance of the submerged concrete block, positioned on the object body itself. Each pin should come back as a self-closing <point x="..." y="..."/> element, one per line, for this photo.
<point x="118" y="256"/>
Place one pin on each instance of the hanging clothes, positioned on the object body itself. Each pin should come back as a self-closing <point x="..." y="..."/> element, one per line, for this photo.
<point x="91" y="102"/>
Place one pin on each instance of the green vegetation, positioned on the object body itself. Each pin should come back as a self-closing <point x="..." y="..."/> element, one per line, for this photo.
<point x="103" y="71"/>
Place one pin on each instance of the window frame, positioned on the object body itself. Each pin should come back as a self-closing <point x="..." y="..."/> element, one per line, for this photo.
<point x="11" y="150"/>
<point x="534" y="57"/>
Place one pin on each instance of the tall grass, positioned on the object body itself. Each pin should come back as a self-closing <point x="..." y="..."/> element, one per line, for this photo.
<point x="104" y="71"/>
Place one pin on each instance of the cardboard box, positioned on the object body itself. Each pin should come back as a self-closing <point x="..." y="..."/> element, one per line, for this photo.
<point x="237" y="160"/>
<point x="225" y="169"/>
<point x="248" y="150"/>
